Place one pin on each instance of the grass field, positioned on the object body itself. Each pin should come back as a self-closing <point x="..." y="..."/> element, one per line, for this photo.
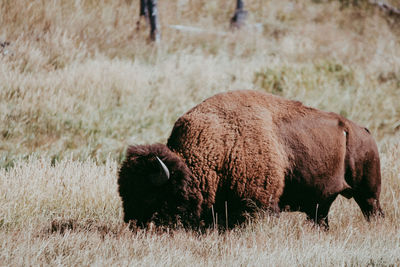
<point x="79" y="83"/>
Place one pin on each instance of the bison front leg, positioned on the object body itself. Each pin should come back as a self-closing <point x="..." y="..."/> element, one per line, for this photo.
<point x="318" y="213"/>
<point x="319" y="217"/>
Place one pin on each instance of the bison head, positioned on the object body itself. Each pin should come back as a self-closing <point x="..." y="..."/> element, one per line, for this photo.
<point x="152" y="182"/>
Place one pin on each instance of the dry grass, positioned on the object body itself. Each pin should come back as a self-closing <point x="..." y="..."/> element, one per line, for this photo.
<point x="78" y="84"/>
<point x="69" y="214"/>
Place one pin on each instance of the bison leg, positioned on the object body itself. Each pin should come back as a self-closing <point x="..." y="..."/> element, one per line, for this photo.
<point x="318" y="213"/>
<point x="370" y="207"/>
<point x="319" y="217"/>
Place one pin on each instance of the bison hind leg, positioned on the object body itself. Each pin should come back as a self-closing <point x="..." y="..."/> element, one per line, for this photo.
<point x="370" y="207"/>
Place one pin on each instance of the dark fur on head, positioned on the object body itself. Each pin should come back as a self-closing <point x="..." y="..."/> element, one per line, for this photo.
<point x="164" y="204"/>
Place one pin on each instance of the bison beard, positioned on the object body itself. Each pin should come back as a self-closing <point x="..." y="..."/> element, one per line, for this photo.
<point x="248" y="150"/>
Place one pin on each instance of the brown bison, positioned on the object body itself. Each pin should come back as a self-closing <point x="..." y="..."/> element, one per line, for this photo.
<point x="243" y="151"/>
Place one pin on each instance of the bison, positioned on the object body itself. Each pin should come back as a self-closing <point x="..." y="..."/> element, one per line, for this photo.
<point x="242" y="151"/>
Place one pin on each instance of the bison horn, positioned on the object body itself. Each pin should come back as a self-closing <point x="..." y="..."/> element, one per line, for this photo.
<point x="163" y="178"/>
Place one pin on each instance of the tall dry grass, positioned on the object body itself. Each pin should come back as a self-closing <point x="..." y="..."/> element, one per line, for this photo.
<point x="78" y="84"/>
<point x="69" y="213"/>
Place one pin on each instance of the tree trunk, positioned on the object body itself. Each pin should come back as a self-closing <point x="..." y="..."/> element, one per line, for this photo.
<point x="143" y="8"/>
<point x="240" y="15"/>
<point x="154" y="24"/>
<point x="143" y="13"/>
<point x="390" y="10"/>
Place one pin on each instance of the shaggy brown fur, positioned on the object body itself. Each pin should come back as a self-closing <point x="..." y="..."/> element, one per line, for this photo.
<point x="251" y="150"/>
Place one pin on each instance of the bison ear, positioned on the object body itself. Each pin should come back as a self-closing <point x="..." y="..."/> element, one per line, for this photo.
<point x="163" y="176"/>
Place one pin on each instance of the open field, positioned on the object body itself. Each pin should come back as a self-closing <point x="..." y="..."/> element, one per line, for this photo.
<point x="78" y="84"/>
